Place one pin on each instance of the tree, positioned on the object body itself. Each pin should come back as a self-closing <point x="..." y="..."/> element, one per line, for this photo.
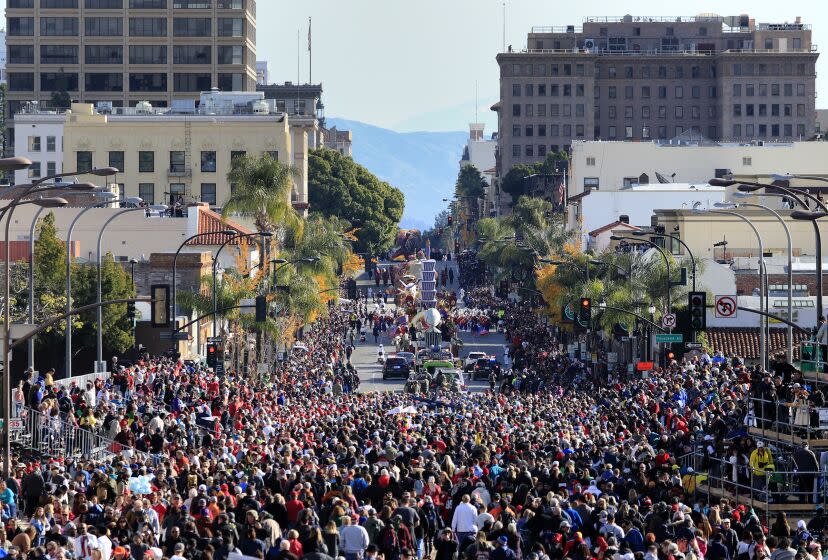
<point x="470" y="183"/>
<point x="514" y="182"/>
<point x="263" y="186"/>
<point x="339" y="187"/>
<point x="116" y="283"/>
<point x="61" y="100"/>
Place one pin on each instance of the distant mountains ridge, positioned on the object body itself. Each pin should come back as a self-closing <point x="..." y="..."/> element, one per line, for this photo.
<point x="423" y="165"/>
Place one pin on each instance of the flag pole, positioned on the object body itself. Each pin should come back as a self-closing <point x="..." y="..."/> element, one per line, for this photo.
<point x="310" y="54"/>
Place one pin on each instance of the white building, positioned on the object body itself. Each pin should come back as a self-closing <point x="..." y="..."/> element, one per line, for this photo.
<point x="637" y="204"/>
<point x="40" y="139"/>
<point x="262" y="73"/>
<point x="480" y="152"/>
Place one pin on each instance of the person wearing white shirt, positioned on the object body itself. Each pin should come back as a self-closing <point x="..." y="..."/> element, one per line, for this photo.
<point x="105" y="544"/>
<point x="85" y="543"/>
<point x="353" y="540"/>
<point x="464" y="520"/>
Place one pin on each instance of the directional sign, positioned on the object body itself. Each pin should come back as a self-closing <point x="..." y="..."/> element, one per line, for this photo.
<point x="693" y="345"/>
<point x="669" y="338"/>
<point x="215" y="339"/>
<point x="725" y="307"/>
<point x="181" y="336"/>
<point x="668" y="321"/>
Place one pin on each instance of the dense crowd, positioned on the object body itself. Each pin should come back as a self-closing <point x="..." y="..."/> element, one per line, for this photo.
<point x="298" y="464"/>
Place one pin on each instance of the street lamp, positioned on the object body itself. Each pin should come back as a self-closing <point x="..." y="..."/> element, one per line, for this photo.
<point x="797" y="195"/>
<point x="174" y="302"/>
<point x="790" y="176"/>
<point x="160" y="207"/>
<point x="790" y="265"/>
<point x="111" y="198"/>
<point x="666" y="261"/>
<point x="677" y="238"/>
<point x="762" y="280"/>
<point x="261" y="234"/>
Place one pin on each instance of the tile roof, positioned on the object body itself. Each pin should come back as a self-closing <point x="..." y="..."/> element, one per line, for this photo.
<point x="744" y="341"/>
<point x="209" y="221"/>
<point x="614" y="225"/>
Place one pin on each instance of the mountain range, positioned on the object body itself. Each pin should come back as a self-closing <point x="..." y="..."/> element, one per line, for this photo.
<point x="423" y="165"/>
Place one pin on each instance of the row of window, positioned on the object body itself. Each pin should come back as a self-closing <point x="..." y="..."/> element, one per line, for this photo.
<point x="138" y="27"/>
<point x="113" y="81"/>
<point x="762" y="69"/>
<point x="664" y="71"/>
<point x="133" y="4"/>
<point x="761" y="110"/>
<point x="114" y="54"/>
<point x="35" y="169"/>
<point x="761" y="90"/>
<point x="146" y="159"/>
<point x="35" y="143"/>
<point x="768" y="131"/>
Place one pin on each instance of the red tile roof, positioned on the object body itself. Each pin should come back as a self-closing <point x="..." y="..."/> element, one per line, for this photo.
<point x="209" y="221"/>
<point x="744" y="341"/>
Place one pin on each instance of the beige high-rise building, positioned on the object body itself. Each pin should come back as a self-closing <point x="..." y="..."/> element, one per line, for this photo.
<point x="640" y="78"/>
<point x="120" y="52"/>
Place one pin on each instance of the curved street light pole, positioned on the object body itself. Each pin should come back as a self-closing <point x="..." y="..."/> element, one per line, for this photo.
<point x="111" y="219"/>
<point x="666" y="261"/>
<point x="68" y="327"/>
<point x="30" y="344"/>
<point x="683" y="244"/>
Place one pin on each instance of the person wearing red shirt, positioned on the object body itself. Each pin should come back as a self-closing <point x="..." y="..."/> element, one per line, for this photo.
<point x="293" y="507"/>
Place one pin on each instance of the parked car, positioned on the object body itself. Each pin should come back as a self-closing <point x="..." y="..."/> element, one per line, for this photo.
<point x="396" y="366"/>
<point x="471" y="360"/>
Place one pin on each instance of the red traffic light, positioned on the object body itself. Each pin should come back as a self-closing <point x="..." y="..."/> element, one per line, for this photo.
<point x="671" y="355"/>
<point x="585" y="302"/>
<point x="211" y="348"/>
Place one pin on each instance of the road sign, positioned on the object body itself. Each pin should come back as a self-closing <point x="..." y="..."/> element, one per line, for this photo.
<point x="725" y="307"/>
<point x="669" y="338"/>
<point x="693" y="345"/>
<point x="181" y="336"/>
<point x="220" y="367"/>
<point x="668" y="321"/>
<point x="215" y="339"/>
<point x="16" y="425"/>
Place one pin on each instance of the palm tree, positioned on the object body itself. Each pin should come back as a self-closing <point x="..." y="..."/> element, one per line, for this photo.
<point x="262" y="189"/>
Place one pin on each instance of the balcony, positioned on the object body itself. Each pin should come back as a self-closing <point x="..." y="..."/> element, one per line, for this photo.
<point x="179" y="171"/>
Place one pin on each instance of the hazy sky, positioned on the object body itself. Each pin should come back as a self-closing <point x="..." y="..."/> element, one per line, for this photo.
<point x="413" y="64"/>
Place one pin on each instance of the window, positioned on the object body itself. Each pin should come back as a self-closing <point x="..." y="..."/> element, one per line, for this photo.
<point x="788" y="89"/>
<point x="192" y="54"/>
<point x="515" y="150"/>
<point x="542" y="90"/>
<point x="645" y="131"/>
<point x="104" y="4"/>
<point x="20" y="81"/>
<point x="628" y="92"/>
<point x="591" y="183"/>
<point x="763" y="130"/>
<point x="774" y="130"/>
<point x="529" y="89"/>
<point x="274" y="155"/>
<point x="611" y="131"/>
<point x="662" y="132"/>
<point x="515" y="131"/>
<point x="58" y="81"/>
<point x="58" y="3"/>
<point x="628" y="112"/>
<point x="554" y="130"/>
<point x="148" y="82"/>
<point x="104" y="54"/>
<point x="579" y="90"/>
<point x="116" y="160"/>
<point x="679" y="92"/>
<point x="737" y="110"/>
<point x="148" y="27"/>
<point x="737" y="90"/>
<point x="541" y="149"/>
<point x="554" y="90"/>
<point x="59" y="26"/>
<point x="611" y="112"/>
<point x="679" y="112"/>
<point x="579" y="131"/>
<point x="231" y="54"/>
<point x="177" y="161"/>
<point x="146" y="162"/>
<point x="567" y="110"/>
<point x="177" y="192"/>
<point x="529" y="130"/>
<point x="788" y="110"/>
<point x="590" y="161"/>
<point x="192" y="4"/>
<point x="84" y="162"/>
<point x="800" y="90"/>
<point x="146" y="191"/>
<point x="21" y="54"/>
<point x="749" y="128"/>
<point x="34" y="143"/>
<point x="662" y="92"/>
<point x="51" y="168"/>
<point x="763" y="110"/>
<point x="21" y="26"/>
<point x="147" y="54"/>
<point x="747" y="161"/>
<point x="515" y="110"/>
<point x="645" y="92"/>
<point x="530" y="150"/>
<point x="800" y="110"/>
<point x="104" y="81"/>
<point x="104" y="26"/>
<point x="208" y="193"/>
<point x="34" y="170"/>
<point x="611" y="92"/>
<point x="148" y="4"/>
<point x="796" y="43"/>
<point x="800" y="130"/>
<point x="50" y="144"/>
<point x="235" y="82"/>
<point x="775" y="109"/>
<point x="20" y="3"/>
<point x="662" y="111"/>
<point x="541" y="130"/>
<point x="628" y="132"/>
<point x="541" y="110"/>
<point x="695" y="92"/>
<point x="516" y="90"/>
<point x="528" y="110"/>
<point x="567" y="90"/>
<point x="191" y="82"/>
<point x="192" y="27"/>
<point x="236" y="154"/>
<point x="58" y="54"/>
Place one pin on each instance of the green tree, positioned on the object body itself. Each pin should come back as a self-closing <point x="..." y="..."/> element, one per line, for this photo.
<point x="514" y="182"/>
<point x="116" y="283"/>
<point x="262" y="190"/>
<point x="470" y="183"/>
<point x="339" y="187"/>
<point x="61" y="100"/>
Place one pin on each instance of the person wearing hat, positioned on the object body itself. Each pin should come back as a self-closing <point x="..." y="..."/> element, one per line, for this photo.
<point x="502" y="550"/>
<point x="761" y="465"/>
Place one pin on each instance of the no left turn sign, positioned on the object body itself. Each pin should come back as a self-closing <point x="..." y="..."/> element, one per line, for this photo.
<point x="725" y="307"/>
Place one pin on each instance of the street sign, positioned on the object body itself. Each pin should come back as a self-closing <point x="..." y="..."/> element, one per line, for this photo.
<point x="165" y="335"/>
<point x="693" y="345"/>
<point x="220" y="367"/>
<point x="668" y="321"/>
<point x="725" y="307"/>
<point x="181" y="336"/>
<point x="669" y="338"/>
<point x="215" y="339"/>
<point x="16" y="425"/>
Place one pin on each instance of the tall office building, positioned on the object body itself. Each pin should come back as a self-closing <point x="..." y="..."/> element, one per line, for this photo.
<point x="125" y="51"/>
<point x="643" y="78"/>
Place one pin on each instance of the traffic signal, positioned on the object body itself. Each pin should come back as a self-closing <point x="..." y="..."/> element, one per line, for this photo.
<point x="450" y="220"/>
<point x="131" y="311"/>
<point x="261" y="309"/>
<point x="212" y="354"/>
<point x="585" y="312"/>
<point x="697" y="305"/>
<point x="670" y="356"/>
<point x="160" y="306"/>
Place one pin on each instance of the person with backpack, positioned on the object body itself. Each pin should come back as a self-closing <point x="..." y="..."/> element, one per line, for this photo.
<point x="394" y="538"/>
<point x="432" y="523"/>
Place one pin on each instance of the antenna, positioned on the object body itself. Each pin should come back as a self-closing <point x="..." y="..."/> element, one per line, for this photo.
<point x="310" y="54"/>
<point x="504" y="28"/>
<point x="476" y="102"/>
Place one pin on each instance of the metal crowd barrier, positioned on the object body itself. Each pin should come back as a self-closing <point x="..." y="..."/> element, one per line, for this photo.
<point x="54" y="437"/>
<point x="782" y="489"/>
<point x="786" y="421"/>
<point x="811" y="358"/>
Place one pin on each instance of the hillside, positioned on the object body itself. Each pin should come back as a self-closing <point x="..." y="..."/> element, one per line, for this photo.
<point x="422" y="164"/>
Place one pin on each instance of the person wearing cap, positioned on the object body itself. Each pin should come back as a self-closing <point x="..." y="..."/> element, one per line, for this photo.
<point x="502" y="550"/>
<point x="761" y="465"/>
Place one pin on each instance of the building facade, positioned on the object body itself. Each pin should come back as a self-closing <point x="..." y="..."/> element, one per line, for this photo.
<point x="120" y="52"/>
<point x="480" y="152"/>
<point x="262" y="73"/>
<point x="166" y="157"/>
<point x="641" y="78"/>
